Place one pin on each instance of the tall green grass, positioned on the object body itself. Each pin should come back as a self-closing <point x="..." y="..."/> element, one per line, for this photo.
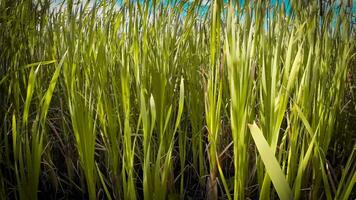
<point x="159" y="100"/>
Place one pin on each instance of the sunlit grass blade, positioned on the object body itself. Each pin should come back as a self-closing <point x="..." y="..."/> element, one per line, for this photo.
<point x="272" y="166"/>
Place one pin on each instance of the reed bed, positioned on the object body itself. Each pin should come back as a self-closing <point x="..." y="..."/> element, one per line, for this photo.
<point x="177" y="100"/>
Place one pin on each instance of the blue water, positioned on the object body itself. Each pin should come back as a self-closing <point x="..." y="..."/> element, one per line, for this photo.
<point x="204" y="8"/>
<point x="286" y="3"/>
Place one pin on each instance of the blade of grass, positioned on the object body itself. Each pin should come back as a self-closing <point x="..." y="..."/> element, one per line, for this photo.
<point x="272" y="166"/>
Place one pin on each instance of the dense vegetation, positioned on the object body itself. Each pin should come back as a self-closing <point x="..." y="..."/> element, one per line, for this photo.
<point x="160" y="100"/>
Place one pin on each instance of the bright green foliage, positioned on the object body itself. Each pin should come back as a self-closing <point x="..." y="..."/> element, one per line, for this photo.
<point x="272" y="166"/>
<point x="177" y="99"/>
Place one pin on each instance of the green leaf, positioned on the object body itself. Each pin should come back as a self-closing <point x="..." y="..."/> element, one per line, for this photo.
<point x="48" y="96"/>
<point x="30" y="89"/>
<point x="272" y="166"/>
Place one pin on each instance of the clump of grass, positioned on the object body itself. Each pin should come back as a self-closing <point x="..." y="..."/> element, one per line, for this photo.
<point x="135" y="100"/>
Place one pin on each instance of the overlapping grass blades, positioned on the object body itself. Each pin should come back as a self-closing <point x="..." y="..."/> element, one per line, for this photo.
<point x="153" y="100"/>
